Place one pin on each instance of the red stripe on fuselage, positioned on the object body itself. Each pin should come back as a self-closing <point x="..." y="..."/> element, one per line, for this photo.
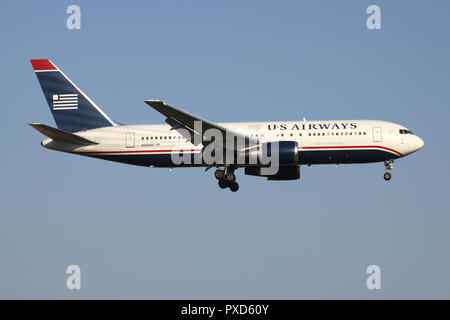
<point x="351" y="147"/>
<point x="139" y="151"/>
<point x="194" y="150"/>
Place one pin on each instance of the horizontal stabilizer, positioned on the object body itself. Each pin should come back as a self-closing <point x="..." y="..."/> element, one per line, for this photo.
<point x="61" y="135"/>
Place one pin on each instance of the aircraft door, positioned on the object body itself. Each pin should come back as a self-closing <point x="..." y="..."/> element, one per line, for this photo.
<point x="129" y="140"/>
<point x="377" y="134"/>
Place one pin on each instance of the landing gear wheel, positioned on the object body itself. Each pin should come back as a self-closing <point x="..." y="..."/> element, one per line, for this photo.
<point x="223" y="184"/>
<point x="227" y="178"/>
<point x="219" y="174"/>
<point x="230" y="176"/>
<point x="387" y="176"/>
<point x="234" y="186"/>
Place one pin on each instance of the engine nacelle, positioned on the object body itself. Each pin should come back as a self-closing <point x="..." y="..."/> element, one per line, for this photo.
<point x="286" y="151"/>
<point x="282" y="152"/>
<point x="284" y="173"/>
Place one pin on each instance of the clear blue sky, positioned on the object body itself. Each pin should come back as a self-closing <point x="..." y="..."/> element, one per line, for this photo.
<point x="150" y="233"/>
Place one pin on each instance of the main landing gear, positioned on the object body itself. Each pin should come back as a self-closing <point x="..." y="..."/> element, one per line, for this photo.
<point x="227" y="179"/>
<point x="389" y="165"/>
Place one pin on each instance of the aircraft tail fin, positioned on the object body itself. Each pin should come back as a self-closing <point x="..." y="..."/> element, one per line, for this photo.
<point x="71" y="108"/>
<point x="61" y="135"/>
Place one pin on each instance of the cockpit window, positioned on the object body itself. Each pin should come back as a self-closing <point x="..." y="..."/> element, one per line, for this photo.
<point x="404" y="131"/>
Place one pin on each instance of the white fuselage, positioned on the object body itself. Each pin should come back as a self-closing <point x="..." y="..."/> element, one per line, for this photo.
<point x="319" y="142"/>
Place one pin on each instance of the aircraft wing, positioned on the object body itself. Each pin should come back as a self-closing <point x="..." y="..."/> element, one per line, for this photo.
<point x="178" y="118"/>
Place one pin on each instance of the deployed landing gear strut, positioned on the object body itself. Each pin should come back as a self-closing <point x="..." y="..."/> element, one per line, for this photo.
<point x="389" y="165"/>
<point x="227" y="178"/>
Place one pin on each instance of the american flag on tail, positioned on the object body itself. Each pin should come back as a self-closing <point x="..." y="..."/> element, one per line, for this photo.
<point x="65" y="101"/>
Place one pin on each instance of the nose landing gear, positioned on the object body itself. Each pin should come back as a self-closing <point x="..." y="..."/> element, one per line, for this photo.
<point x="227" y="178"/>
<point x="389" y="165"/>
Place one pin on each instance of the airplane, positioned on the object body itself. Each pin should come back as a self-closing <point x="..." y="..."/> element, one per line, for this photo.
<point x="85" y="129"/>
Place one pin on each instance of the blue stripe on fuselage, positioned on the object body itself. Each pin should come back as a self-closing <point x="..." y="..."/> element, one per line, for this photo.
<point x="345" y="156"/>
<point x="306" y="157"/>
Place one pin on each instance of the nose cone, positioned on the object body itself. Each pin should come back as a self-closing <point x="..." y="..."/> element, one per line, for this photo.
<point x="419" y="143"/>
